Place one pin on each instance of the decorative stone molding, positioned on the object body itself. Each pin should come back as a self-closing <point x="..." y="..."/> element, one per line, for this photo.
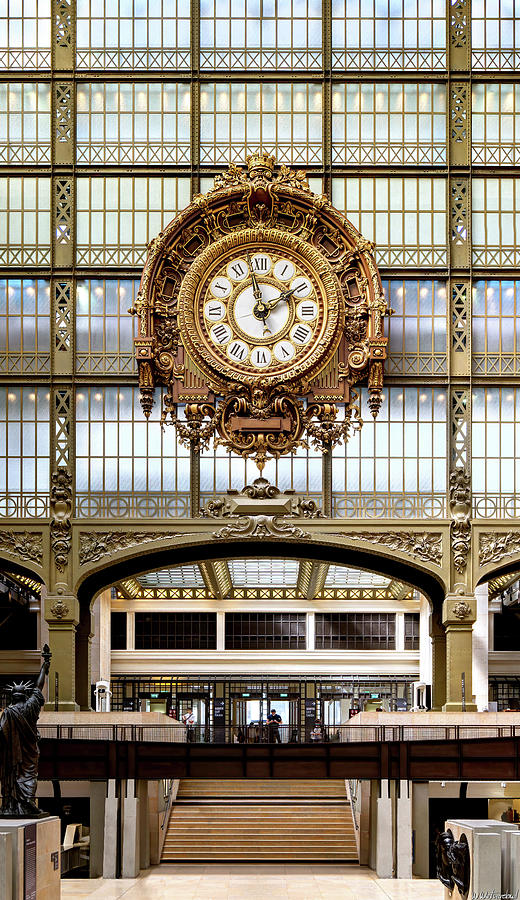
<point x="421" y="544"/>
<point x="460" y="511"/>
<point x="25" y="544"/>
<point x="95" y="545"/>
<point x="493" y="547"/>
<point x="61" y="509"/>
<point x="261" y="496"/>
<point x="461" y="610"/>
<point x="260" y="527"/>
<point x="59" y="609"/>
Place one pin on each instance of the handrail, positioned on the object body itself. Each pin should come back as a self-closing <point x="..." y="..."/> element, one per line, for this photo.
<point x="169" y="803"/>
<point x="284" y="734"/>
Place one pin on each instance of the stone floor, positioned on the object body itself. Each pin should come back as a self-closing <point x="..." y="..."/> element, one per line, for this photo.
<point x="228" y="881"/>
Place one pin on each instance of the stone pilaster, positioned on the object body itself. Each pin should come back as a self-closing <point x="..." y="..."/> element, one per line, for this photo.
<point x="458" y="616"/>
<point x="62" y="617"/>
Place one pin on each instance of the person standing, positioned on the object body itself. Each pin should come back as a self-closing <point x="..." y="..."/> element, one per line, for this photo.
<point x="189" y="721"/>
<point x="274" y="720"/>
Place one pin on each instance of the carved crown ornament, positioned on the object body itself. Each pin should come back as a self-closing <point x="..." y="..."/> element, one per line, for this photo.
<point x="260" y="308"/>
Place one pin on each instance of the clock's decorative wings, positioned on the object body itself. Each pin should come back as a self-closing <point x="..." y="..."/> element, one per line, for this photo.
<point x="260" y="308"/>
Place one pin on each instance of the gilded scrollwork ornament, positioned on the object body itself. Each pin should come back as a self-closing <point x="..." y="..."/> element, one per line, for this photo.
<point x="259" y="302"/>
<point x="61" y="510"/>
<point x="460" y="512"/>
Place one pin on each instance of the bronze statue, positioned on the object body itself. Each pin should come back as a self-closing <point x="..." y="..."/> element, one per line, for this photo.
<point x="19" y="750"/>
<point x="443" y="842"/>
<point x="453" y="862"/>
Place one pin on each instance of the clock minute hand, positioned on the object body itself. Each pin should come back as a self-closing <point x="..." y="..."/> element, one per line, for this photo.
<point x="257" y="293"/>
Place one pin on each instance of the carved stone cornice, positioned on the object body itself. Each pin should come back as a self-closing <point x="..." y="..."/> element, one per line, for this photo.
<point x="420" y="544"/>
<point x="97" y="544"/>
<point x="24" y="544"/>
<point x="260" y="527"/>
<point x="493" y="547"/>
<point x="61" y="510"/>
<point x="460" y="512"/>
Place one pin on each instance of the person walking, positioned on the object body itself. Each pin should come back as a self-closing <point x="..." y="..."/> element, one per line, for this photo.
<point x="274" y="720"/>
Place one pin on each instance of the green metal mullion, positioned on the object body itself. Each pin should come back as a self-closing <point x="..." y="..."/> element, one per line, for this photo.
<point x="195" y="96"/>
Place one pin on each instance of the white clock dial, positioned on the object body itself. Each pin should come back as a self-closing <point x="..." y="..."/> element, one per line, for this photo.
<point x="220" y="287"/>
<point x="284" y="351"/>
<point x="284" y="270"/>
<point x="237" y="350"/>
<point x="247" y="321"/>
<point x="214" y="310"/>
<point x="307" y="310"/>
<point x="261" y="357"/>
<point x="302" y="287"/>
<point x="237" y="270"/>
<point x="221" y="333"/>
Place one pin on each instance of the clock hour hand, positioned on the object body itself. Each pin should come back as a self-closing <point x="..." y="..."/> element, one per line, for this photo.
<point x="283" y="296"/>
<point x="257" y="293"/>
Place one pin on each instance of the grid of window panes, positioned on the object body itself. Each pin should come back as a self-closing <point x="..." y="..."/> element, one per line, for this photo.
<point x="355" y="631"/>
<point x="496" y="451"/>
<point x="411" y="631"/>
<point x="496" y="327"/>
<point x="265" y="631"/>
<point x="395" y="466"/>
<point x="175" y="631"/>
<point x="24" y="446"/>
<point x="104" y="329"/>
<point x="126" y="465"/>
<point x="166" y="93"/>
<point x="25" y="343"/>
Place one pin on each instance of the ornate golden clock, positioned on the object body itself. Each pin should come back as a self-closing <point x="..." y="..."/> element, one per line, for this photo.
<point x="260" y="307"/>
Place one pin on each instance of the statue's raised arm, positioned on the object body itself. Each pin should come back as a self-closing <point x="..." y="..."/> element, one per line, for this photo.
<point x="19" y="750"/>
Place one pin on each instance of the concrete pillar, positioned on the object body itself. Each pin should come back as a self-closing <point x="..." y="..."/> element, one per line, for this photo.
<point x="438" y="641"/>
<point x="311" y="631"/>
<point x="458" y="616"/>
<point x="384" y="833"/>
<point x="62" y="617"/>
<point x="221" y="631"/>
<point x="111" y="832"/>
<point x="6" y="866"/>
<point x="154" y="816"/>
<point x="481" y="648"/>
<point x="420" y="820"/>
<point x="105" y="668"/>
<point x="144" y="825"/>
<point x="363" y="812"/>
<point x="514" y="870"/>
<point x="130" y="832"/>
<point x="98" y="793"/>
<point x="404" y="831"/>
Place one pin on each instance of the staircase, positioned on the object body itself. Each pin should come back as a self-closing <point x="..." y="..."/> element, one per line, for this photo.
<point x="250" y="819"/>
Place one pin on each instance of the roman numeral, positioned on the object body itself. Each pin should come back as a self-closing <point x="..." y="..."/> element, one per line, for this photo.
<point x="238" y="270"/>
<point x="238" y="351"/>
<point x="284" y="351"/>
<point x="300" y="334"/>
<point x="220" y="287"/>
<point x="214" y="311"/>
<point x="308" y="310"/>
<point x="260" y="263"/>
<point x="260" y="357"/>
<point x="221" y="333"/>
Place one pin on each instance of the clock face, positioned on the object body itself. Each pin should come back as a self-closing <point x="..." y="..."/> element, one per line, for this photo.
<point x="261" y="307"/>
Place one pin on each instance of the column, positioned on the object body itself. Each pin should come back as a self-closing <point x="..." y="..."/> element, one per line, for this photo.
<point x="62" y="617"/>
<point x="384" y="833"/>
<point x="83" y="667"/>
<point x="399" y="631"/>
<point x="311" y="631"/>
<point x="425" y="642"/>
<point x="105" y="667"/>
<point x="404" y="831"/>
<point x="111" y="830"/>
<point x="481" y="648"/>
<point x="438" y="650"/>
<point x="98" y="792"/>
<point x="221" y="631"/>
<point x="458" y="616"/>
<point x="130" y="833"/>
<point x="130" y="631"/>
